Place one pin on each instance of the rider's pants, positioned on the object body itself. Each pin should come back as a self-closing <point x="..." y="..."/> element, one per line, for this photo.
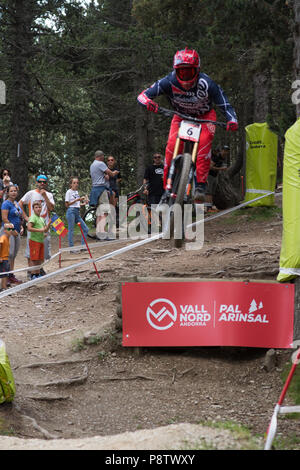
<point x="204" y="149"/>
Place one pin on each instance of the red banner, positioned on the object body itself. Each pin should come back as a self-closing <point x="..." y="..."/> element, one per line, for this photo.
<point x="245" y="314"/>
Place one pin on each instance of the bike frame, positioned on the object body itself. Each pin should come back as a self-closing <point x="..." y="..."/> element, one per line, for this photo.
<point x="190" y="146"/>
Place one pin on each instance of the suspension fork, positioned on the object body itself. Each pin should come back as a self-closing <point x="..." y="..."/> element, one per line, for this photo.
<point x="187" y="149"/>
<point x="172" y="167"/>
<point x="193" y="166"/>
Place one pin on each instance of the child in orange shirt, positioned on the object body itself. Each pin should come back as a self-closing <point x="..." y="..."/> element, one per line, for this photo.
<point x="4" y="253"/>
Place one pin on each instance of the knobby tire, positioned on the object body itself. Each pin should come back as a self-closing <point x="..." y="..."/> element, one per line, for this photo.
<point x="179" y="187"/>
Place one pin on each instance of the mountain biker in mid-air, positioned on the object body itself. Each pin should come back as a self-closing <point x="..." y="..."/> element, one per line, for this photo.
<point x="192" y="93"/>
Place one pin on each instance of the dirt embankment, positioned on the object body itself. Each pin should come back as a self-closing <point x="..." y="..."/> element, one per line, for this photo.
<point x="71" y="394"/>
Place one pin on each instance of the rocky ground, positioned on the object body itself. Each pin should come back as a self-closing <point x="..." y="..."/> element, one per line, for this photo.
<point x="78" y="387"/>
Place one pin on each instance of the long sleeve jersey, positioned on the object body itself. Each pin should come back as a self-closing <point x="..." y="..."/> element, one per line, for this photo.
<point x="193" y="102"/>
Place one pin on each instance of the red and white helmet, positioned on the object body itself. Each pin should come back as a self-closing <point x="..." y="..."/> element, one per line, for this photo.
<point x="187" y="66"/>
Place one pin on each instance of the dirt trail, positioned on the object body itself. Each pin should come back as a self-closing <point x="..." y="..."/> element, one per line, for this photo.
<point x="69" y="389"/>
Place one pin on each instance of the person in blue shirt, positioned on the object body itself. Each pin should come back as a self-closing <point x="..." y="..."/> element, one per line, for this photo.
<point x="11" y="212"/>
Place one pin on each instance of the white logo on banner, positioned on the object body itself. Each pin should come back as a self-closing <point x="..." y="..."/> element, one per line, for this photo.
<point x="158" y="310"/>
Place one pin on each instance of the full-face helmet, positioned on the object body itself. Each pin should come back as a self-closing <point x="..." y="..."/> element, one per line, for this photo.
<point x="187" y="66"/>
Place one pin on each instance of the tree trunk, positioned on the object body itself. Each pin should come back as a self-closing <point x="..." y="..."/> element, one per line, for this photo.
<point x="224" y="196"/>
<point x="141" y="142"/>
<point x="21" y="52"/>
<point x="261" y="97"/>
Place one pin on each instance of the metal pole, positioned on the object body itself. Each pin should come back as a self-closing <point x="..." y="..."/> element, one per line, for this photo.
<point x="59" y="244"/>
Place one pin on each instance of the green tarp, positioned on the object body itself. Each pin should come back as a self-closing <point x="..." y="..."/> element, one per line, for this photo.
<point x="290" y="246"/>
<point x="7" y="384"/>
<point x="261" y="163"/>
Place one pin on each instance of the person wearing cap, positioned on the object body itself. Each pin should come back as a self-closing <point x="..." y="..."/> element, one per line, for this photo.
<point x="46" y="199"/>
<point x="220" y="160"/>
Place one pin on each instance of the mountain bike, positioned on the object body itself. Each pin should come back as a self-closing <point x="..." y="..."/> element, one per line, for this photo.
<point x="179" y="187"/>
<point x="123" y="214"/>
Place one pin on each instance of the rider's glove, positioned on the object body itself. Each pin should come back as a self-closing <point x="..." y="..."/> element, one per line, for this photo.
<point x="232" y="126"/>
<point x="152" y="106"/>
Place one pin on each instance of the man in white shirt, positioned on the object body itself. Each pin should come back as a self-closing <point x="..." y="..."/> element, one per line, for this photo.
<point x="41" y="194"/>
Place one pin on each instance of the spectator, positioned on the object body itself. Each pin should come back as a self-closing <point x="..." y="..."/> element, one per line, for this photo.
<point x="6" y="184"/>
<point x="73" y="201"/>
<point x="4" y="253"/>
<point x="47" y="201"/>
<point x="4" y="174"/>
<point x="11" y="212"/>
<point x="37" y="229"/>
<point x="153" y="179"/>
<point x="114" y="181"/>
<point x="219" y="162"/>
<point x="99" y="172"/>
<point x="1" y="180"/>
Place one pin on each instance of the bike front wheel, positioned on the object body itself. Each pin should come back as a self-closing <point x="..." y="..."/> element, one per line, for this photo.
<point x="180" y="184"/>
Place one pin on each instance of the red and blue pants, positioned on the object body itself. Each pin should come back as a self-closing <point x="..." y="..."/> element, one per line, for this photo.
<point x="204" y="148"/>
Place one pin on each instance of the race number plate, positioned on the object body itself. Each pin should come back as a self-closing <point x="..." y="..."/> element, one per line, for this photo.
<point x="189" y="131"/>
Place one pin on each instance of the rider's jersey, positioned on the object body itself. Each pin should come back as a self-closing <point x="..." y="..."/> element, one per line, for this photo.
<point x="196" y="101"/>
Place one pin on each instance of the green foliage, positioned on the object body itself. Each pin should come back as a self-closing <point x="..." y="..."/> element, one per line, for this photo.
<point x="84" y="64"/>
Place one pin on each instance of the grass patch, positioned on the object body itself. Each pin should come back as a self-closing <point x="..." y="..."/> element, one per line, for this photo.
<point x="5" y="430"/>
<point x="294" y="387"/>
<point x="291" y="442"/>
<point x="77" y="344"/>
<point x="241" y="433"/>
<point x="255" y="214"/>
<point x="108" y="339"/>
<point x="241" y="437"/>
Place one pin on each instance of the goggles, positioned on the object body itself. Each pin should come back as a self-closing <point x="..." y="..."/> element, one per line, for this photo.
<point x="186" y="73"/>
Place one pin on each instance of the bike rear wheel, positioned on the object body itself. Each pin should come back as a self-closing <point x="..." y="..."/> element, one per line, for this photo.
<point x="180" y="182"/>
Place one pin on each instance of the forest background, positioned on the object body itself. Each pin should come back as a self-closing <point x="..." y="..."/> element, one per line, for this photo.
<point x="73" y="70"/>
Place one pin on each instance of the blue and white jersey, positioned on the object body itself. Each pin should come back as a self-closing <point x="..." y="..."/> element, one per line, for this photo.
<point x="194" y="102"/>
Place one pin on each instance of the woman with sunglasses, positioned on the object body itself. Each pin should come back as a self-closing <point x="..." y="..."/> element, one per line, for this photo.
<point x="192" y="93"/>
<point x="11" y="212"/>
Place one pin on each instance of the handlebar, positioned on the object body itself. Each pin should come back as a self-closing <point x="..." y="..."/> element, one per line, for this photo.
<point x="169" y="113"/>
